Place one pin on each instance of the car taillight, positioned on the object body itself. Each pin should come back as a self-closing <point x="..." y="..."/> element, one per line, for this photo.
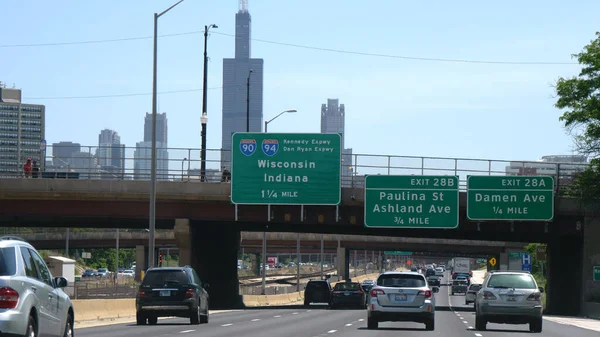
<point x="358" y="292"/>
<point x="534" y="297"/>
<point x="488" y="295"/>
<point x="8" y="298"/>
<point x="190" y="293"/>
<point x="142" y="293"/>
<point x="426" y="293"/>
<point x="376" y="292"/>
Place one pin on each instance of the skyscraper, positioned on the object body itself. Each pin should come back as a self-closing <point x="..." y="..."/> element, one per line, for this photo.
<point x="236" y="72"/>
<point x="161" y="127"/>
<point x="143" y="150"/>
<point x="111" y="153"/>
<point x="21" y="130"/>
<point x="333" y="120"/>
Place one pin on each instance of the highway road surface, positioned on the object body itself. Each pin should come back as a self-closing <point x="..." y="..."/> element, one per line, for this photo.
<point x="453" y="319"/>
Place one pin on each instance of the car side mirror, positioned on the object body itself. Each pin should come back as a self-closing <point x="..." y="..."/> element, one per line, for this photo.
<point x="541" y="289"/>
<point x="60" y="282"/>
<point x="435" y="290"/>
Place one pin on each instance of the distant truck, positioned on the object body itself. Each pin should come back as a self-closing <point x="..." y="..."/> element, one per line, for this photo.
<point x="461" y="266"/>
<point x="271" y="262"/>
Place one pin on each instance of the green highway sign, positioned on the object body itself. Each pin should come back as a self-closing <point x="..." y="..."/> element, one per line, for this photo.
<point x="411" y="201"/>
<point x="517" y="255"/>
<point x="515" y="198"/>
<point x="286" y="168"/>
<point x="596" y="273"/>
<point x="397" y="252"/>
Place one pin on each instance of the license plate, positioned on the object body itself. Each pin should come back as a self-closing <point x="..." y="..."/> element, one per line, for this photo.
<point x="346" y="293"/>
<point x="165" y="293"/>
<point x="511" y="298"/>
<point x="401" y="298"/>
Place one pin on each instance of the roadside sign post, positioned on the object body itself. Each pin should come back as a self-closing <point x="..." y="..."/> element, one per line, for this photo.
<point x="286" y="169"/>
<point x="540" y="253"/>
<point x="513" y="198"/>
<point x="526" y="262"/>
<point x="596" y="275"/>
<point x="492" y="261"/>
<point x="408" y="201"/>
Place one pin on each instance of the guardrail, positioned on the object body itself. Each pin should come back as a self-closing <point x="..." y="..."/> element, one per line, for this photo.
<point x="183" y="164"/>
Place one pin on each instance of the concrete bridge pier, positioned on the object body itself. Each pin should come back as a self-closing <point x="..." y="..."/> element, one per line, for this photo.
<point x="343" y="262"/>
<point x="183" y="240"/>
<point x="214" y="255"/>
<point x="141" y="261"/>
<point x="564" y="277"/>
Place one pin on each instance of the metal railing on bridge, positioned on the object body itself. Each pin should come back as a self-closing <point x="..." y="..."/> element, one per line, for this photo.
<point x="183" y="164"/>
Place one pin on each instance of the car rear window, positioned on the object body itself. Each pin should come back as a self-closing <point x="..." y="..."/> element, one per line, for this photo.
<point x="8" y="264"/>
<point x="162" y="277"/>
<point x="459" y="282"/>
<point x="347" y="286"/>
<point x="401" y="281"/>
<point x="512" y="281"/>
<point x="317" y="285"/>
<point x="475" y="287"/>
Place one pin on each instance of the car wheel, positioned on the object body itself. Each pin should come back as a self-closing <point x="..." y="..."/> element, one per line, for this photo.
<point x="430" y="324"/>
<point x="480" y="323"/>
<point x="31" y="327"/>
<point x="69" y="327"/>
<point x="372" y="324"/>
<point x="204" y="318"/>
<point x="306" y="303"/>
<point x="195" y="316"/>
<point x="536" y="325"/>
<point x="152" y="320"/>
<point x="140" y="319"/>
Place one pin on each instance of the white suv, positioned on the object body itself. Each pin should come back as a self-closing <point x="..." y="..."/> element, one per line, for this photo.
<point x="401" y="297"/>
<point x="509" y="298"/>
<point x="32" y="302"/>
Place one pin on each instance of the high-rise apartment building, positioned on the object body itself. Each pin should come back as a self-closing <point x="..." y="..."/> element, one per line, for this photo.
<point x="21" y="131"/>
<point x="333" y="120"/>
<point x="143" y="150"/>
<point x="237" y="73"/>
<point x="111" y="153"/>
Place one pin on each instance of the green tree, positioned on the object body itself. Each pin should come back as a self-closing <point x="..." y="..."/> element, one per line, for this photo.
<point x="579" y="98"/>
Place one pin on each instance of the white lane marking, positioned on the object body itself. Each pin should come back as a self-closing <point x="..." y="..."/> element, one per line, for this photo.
<point x="470" y="327"/>
<point x="362" y="319"/>
<point x="256" y="320"/>
<point x="465" y="322"/>
<point x="308" y="310"/>
<point x="186" y="331"/>
<point x="277" y="316"/>
<point x="294" y="313"/>
<point x="478" y="335"/>
<point x="228" y="324"/>
<point x="349" y="324"/>
<point x="331" y="331"/>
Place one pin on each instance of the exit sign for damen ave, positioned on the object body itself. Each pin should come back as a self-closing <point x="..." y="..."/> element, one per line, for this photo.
<point x="286" y="168"/>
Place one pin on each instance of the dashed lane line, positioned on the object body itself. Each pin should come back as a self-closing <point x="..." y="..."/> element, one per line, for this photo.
<point x="186" y="331"/>
<point x="331" y="331"/>
<point x="228" y="324"/>
<point x="256" y="320"/>
<point x="349" y="324"/>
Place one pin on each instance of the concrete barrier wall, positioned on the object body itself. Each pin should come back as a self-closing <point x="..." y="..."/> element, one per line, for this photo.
<point x="591" y="309"/>
<point x="88" y="310"/>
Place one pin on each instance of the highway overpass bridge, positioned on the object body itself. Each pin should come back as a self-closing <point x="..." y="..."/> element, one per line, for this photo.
<point x="206" y="224"/>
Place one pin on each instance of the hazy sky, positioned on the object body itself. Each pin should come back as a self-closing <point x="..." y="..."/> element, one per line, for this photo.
<point x="394" y="105"/>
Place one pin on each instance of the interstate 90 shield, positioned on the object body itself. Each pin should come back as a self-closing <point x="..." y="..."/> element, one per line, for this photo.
<point x="248" y="146"/>
<point x="270" y="146"/>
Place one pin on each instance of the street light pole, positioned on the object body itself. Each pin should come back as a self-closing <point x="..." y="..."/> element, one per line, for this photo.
<point x="248" y="101"/>
<point x="152" y="216"/>
<point x="204" y="117"/>
<point x="274" y="118"/>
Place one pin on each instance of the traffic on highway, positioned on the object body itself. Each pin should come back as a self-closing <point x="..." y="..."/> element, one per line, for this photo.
<point x="400" y="302"/>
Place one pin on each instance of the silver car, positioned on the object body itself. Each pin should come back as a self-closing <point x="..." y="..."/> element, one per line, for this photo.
<point x="401" y="297"/>
<point x="471" y="294"/>
<point x="509" y="298"/>
<point x="32" y="302"/>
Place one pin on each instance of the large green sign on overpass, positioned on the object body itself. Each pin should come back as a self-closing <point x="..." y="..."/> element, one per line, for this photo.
<point x="516" y="198"/>
<point x="286" y="168"/>
<point x="411" y="201"/>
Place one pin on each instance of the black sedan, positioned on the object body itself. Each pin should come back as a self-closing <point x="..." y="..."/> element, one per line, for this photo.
<point x="348" y="294"/>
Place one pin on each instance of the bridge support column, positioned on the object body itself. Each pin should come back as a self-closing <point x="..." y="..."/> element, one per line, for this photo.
<point x="565" y="255"/>
<point x="591" y="258"/>
<point x="256" y="261"/>
<point x="343" y="263"/>
<point x="183" y="240"/>
<point x="503" y="261"/>
<point x="214" y="257"/>
<point x="141" y="261"/>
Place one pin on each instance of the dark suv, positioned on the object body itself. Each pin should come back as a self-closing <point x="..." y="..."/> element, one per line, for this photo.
<point x="317" y="292"/>
<point x="172" y="291"/>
